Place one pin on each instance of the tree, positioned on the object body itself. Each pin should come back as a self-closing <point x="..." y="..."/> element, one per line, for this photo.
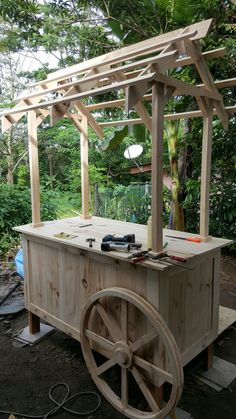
<point x="77" y="30"/>
<point x="12" y="144"/>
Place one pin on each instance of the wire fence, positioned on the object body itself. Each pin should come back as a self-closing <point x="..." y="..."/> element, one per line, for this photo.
<point x="130" y="203"/>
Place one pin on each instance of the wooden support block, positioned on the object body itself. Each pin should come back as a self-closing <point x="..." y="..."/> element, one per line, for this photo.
<point x="34" y="323"/>
<point x="135" y="94"/>
<point x="208" y="357"/>
<point x="57" y="112"/>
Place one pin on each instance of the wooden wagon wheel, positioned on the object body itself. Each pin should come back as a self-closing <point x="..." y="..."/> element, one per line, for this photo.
<point x="119" y="349"/>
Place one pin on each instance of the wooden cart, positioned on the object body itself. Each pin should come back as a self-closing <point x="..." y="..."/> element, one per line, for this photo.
<point x="149" y="318"/>
<point x="146" y="320"/>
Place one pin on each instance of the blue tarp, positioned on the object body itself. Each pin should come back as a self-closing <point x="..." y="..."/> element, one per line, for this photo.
<point x="19" y="262"/>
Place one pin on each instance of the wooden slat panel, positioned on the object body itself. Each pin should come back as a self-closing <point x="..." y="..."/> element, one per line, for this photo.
<point x="190" y="304"/>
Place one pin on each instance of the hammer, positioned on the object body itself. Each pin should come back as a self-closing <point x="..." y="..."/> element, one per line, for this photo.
<point x="90" y="240"/>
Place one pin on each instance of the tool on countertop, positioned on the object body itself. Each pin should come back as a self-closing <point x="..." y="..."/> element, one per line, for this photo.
<point x="63" y="235"/>
<point x="190" y="239"/>
<point x="120" y="246"/>
<point x="160" y="258"/>
<point x="178" y="258"/>
<point x="146" y="254"/>
<point x="128" y="238"/>
<point x="90" y="240"/>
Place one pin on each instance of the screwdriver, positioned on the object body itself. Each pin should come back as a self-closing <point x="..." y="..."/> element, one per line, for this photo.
<point x="190" y="239"/>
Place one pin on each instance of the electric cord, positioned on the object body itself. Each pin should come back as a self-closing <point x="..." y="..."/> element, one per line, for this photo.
<point x="61" y="405"/>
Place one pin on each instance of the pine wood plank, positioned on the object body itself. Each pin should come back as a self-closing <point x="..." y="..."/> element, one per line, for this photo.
<point x="34" y="168"/>
<point x="157" y="165"/>
<point x="77" y="96"/>
<point x="84" y="167"/>
<point x="206" y="173"/>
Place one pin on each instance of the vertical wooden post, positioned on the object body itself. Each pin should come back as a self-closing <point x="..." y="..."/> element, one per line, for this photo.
<point x="34" y="323"/>
<point x="84" y="167"/>
<point x="34" y="169"/>
<point x="208" y="357"/>
<point x="206" y="174"/>
<point x="157" y="165"/>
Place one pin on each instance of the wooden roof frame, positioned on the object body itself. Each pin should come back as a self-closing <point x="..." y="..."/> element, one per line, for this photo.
<point x="136" y="70"/>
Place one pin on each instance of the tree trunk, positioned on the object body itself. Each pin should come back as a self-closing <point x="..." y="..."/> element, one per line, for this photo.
<point x="177" y="215"/>
<point x="10" y="160"/>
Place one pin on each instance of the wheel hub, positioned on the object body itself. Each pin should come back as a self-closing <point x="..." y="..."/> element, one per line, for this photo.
<point x="122" y="354"/>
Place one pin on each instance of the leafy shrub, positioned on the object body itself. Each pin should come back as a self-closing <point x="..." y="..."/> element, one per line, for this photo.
<point x="222" y="208"/>
<point x="130" y="203"/>
<point x="15" y="210"/>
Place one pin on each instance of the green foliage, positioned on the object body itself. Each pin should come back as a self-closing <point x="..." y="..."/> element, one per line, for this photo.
<point x="115" y="138"/>
<point x="223" y="209"/>
<point x="76" y="30"/>
<point x="22" y="175"/>
<point x="16" y="210"/>
<point x="131" y="203"/>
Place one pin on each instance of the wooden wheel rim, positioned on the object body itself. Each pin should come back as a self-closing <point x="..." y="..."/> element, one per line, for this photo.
<point x="159" y="325"/>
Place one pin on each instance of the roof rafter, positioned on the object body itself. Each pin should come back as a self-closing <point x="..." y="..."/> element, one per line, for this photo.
<point x="136" y="68"/>
<point x="196" y="31"/>
<point x="194" y="51"/>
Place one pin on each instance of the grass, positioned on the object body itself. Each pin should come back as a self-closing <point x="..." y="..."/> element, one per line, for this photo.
<point x="67" y="204"/>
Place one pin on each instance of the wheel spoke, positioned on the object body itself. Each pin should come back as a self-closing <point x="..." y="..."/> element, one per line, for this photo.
<point x="145" y="390"/>
<point x="153" y="369"/>
<point x="143" y="340"/>
<point x="124" y="387"/>
<point x="124" y="320"/>
<point x="102" y="343"/>
<point x="104" y="367"/>
<point x="109" y="322"/>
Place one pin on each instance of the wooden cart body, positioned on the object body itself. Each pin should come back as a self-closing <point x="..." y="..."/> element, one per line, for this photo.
<point x="61" y="275"/>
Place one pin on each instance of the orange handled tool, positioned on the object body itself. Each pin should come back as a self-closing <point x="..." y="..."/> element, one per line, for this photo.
<point x="190" y="239"/>
<point x="180" y="259"/>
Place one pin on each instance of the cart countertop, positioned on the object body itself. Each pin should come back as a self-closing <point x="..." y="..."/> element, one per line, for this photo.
<point x="96" y="227"/>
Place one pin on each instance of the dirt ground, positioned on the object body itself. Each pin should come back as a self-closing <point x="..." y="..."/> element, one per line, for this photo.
<point x="27" y="373"/>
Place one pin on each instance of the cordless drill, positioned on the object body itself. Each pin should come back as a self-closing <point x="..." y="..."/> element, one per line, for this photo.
<point x="129" y="238"/>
